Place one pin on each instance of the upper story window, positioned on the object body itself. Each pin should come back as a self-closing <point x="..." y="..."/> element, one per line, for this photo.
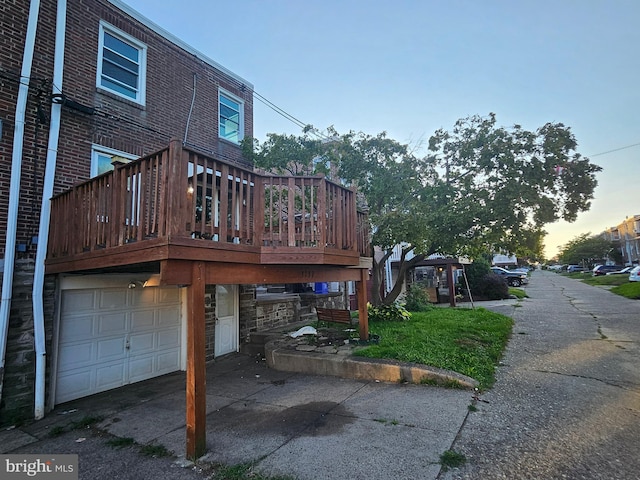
<point x="231" y="125"/>
<point x="103" y="158"/>
<point x="121" y="64"/>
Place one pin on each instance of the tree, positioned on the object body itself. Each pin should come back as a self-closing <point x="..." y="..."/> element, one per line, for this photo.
<point x="480" y="188"/>
<point x="587" y="249"/>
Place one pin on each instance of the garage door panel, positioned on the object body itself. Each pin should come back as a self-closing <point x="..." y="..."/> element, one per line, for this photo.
<point x="143" y="296"/>
<point x="110" y="376"/>
<point x="141" y="367"/>
<point x="113" y="298"/>
<point x="142" y="320"/>
<point x="77" y="301"/>
<point x="73" y="385"/>
<point x="78" y="328"/>
<point x="168" y="339"/>
<point x="168" y="361"/>
<point x="112" y="324"/>
<point x="110" y="349"/>
<point x="168" y="317"/>
<point x="142" y="342"/>
<point x="75" y="356"/>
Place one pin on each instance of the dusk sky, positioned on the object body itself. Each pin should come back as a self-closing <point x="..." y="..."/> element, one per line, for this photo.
<point x="411" y="67"/>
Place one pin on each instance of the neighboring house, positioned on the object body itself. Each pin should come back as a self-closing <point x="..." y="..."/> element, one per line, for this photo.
<point x="504" y="261"/>
<point x="148" y="257"/>
<point x="626" y="236"/>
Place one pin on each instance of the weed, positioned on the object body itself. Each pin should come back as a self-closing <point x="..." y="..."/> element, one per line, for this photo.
<point x="450" y="459"/>
<point x="155" y="451"/>
<point x="56" y="431"/>
<point x="121" y="442"/>
<point x="242" y="472"/>
<point x="472" y="408"/>
<point x="394" y="422"/>
<point x="380" y="420"/>
<point x="86" y="422"/>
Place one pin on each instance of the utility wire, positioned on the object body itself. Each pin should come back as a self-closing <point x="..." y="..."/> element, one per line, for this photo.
<point x="614" y="150"/>
<point x="288" y="116"/>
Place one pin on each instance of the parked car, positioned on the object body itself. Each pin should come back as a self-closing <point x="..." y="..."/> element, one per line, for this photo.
<point x="604" y="269"/>
<point x="634" y="275"/>
<point x="514" y="279"/>
<point x="575" y="268"/>
<point x="626" y="270"/>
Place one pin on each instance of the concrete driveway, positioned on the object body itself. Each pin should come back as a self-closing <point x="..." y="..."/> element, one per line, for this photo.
<point x="304" y="426"/>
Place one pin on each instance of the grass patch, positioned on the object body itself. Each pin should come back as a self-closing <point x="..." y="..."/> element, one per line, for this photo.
<point x="121" y="442"/>
<point x="629" y="290"/>
<point x="466" y="341"/>
<point x="155" y="451"/>
<point x="519" y="293"/>
<point x="607" y="280"/>
<point x="56" y="431"/>
<point x="86" y="422"/>
<point x="451" y="459"/>
<point x="243" y="471"/>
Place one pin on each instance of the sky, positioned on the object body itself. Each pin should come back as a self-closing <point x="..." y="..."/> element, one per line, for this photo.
<point x="410" y="67"/>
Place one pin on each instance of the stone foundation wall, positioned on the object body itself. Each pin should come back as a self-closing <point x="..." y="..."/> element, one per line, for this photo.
<point x="18" y="384"/>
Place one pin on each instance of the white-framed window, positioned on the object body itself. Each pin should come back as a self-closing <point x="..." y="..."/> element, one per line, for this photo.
<point x="231" y="117"/>
<point x="102" y="159"/>
<point x="121" y="64"/>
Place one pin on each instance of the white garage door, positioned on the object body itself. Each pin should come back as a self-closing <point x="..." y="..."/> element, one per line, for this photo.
<point x="110" y="337"/>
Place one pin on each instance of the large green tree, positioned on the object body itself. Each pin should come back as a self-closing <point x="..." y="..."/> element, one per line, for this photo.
<point x="481" y="187"/>
<point x="587" y="249"/>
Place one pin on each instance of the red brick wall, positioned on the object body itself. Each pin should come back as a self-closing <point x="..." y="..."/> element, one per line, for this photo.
<point x="119" y="124"/>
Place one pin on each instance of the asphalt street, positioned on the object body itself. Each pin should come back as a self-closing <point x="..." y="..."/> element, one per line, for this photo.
<point x="566" y="403"/>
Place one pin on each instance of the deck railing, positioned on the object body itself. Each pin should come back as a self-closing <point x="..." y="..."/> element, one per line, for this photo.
<point x="177" y="192"/>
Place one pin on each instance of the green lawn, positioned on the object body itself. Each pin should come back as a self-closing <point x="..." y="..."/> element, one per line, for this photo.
<point x="607" y="280"/>
<point x="466" y="341"/>
<point x="630" y="290"/>
<point x="621" y="284"/>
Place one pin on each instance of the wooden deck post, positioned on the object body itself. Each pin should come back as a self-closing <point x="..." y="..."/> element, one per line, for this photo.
<point x="196" y="372"/>
<point x="452" y="287"/>
<point x="363" y="314"/>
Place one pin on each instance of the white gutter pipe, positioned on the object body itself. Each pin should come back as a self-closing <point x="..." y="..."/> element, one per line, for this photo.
<point x="45" y="213"/>
<point x="14" y="186"/>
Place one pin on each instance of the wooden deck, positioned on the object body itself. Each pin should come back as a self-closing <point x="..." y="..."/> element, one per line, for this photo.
<point x="177" y="204"/>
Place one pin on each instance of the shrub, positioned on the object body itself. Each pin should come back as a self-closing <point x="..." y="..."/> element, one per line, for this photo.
<point x="417" y="299"/>
<point x="388" y="313"/>
<point x="476" y="272"/>
<point x="495" y="287"/>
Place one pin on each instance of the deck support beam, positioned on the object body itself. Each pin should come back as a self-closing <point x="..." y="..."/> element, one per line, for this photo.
<point x="363" y="313"/>
<point x="196" y="370"/>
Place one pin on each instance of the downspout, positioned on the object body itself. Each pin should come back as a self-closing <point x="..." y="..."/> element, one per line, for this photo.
<point x="14" y="186"/>
<point x="45" y="214"/>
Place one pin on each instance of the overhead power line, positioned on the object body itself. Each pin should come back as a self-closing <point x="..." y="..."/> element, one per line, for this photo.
<point x="614" y="150"/>
<point x="288" y="116"/>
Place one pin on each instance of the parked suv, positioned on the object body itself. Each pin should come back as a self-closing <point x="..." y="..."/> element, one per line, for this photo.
<point x="514" y="279"/>
<point x="634" y="276"/>
<point x="604" y="269"/>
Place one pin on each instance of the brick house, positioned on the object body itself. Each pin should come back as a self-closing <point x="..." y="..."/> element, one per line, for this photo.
<point x="146" y="259"/>
<point x="626" y="237"/>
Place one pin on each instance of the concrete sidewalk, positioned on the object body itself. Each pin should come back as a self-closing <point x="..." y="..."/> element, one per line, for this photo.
<point x="304" y="426"/>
